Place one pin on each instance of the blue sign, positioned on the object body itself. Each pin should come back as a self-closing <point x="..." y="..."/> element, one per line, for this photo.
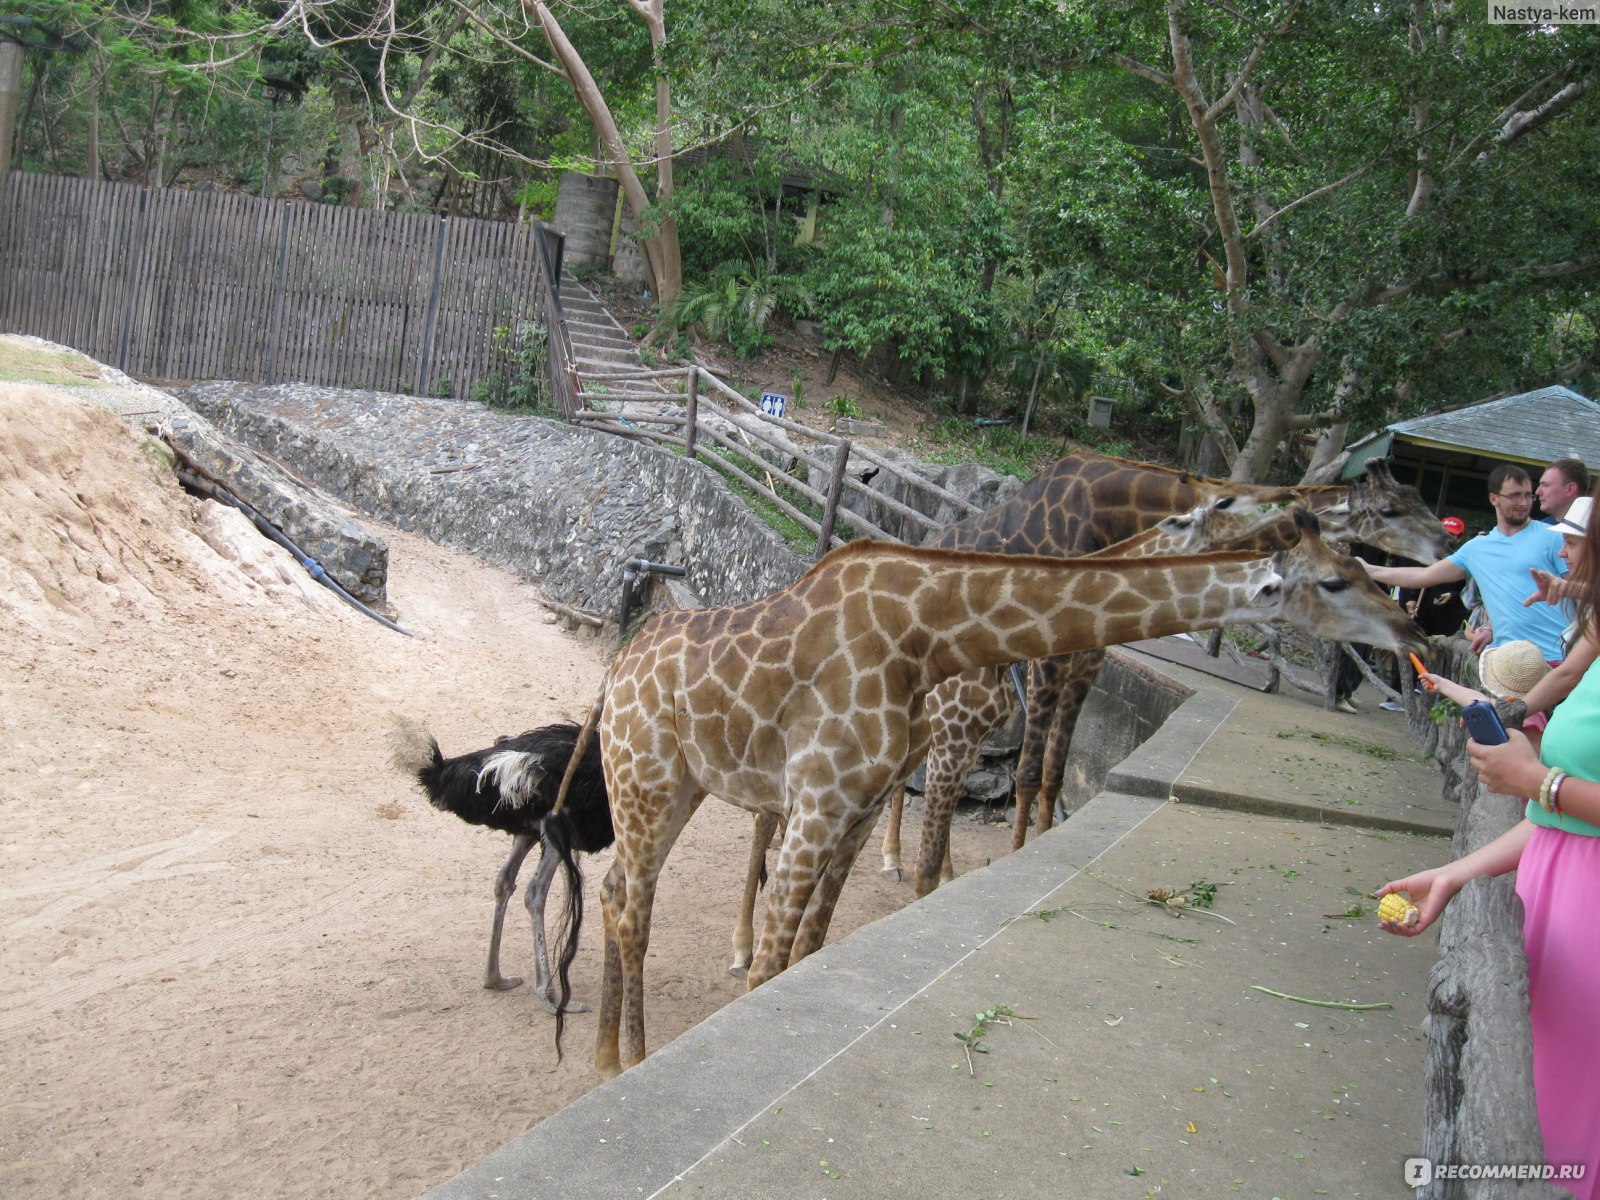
<point x="773" y="404"/>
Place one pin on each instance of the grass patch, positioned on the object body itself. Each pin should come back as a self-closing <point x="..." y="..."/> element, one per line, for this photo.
<point x="34" y="364"/>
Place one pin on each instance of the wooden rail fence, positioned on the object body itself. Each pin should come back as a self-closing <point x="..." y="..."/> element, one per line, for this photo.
<point x="643" y="415"/>
<point x="172" y="284"/>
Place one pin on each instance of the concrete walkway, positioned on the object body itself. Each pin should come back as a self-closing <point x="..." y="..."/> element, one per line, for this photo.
<point x="1036" y="1029"/>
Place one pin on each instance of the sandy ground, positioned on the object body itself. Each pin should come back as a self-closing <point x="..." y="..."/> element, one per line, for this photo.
<point x="240" y="954"/>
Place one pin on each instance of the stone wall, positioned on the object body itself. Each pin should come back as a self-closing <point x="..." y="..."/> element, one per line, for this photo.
<point x="545" y="500"/>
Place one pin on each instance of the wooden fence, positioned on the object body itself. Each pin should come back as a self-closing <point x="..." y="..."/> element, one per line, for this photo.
<point x="171" y="284"/>
<point x="775" y="473"/>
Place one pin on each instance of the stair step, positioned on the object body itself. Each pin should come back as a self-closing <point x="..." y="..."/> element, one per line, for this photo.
<point x="613" y="360"/>
<point x="580" y="331"/>
<point x="581" y="325"/>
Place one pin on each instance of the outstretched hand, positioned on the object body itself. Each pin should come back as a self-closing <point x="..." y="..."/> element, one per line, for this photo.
<point x="1450" y="689"/>
<point x="1548" y="587"/>
<point x="1429" y="890"/>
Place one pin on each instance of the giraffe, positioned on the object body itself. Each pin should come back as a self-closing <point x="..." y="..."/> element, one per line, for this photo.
<point x="808" y="703"/>
<point x="981" y="700"/>
<point x="1086" y="502"/>
<point x="964" y="711"/>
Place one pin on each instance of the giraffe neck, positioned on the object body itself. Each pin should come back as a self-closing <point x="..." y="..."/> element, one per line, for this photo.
<point x="974" y="610"/>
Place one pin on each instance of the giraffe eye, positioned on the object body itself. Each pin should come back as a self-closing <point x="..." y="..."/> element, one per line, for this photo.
<point x="1333" y="585"/>
<point x="1225" y="502"/>
<point x="1389" y="514"/>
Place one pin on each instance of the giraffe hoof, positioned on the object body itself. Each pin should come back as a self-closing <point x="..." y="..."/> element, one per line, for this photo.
<point x="739" y="970"/>
<point x="892" y="874"/>
<point x="502" y="983"/>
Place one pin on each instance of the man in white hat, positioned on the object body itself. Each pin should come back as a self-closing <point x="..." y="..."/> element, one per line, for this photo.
<point x="1499" y="563"/>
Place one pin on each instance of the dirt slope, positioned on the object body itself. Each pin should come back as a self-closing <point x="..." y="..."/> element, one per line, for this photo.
<point x="239" y="955"/>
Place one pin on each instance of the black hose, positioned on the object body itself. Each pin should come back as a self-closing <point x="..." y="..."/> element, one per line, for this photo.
<point x="217" y="492"/>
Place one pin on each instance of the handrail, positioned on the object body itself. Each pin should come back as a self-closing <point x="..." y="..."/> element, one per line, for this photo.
<point x="636" y="424"/>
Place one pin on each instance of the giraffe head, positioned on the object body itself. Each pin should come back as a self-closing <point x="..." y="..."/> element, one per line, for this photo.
<point x="1258" y="521"/>
<point x="1331" y="595"/>
<point x="1391" y="516"/>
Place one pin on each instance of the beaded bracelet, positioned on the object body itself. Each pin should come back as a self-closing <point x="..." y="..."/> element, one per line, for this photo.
<point x="1552" y="779"/>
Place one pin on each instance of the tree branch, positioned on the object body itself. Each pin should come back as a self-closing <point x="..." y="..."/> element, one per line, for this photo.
<point x="1526" y="122"/>
<point x="1308" y="197"/>
<point x="506" y="41"/>
<point x="1144" y="71"/>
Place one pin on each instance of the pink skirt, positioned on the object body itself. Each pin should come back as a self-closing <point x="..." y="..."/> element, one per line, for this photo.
<point x="1558" y="880"/>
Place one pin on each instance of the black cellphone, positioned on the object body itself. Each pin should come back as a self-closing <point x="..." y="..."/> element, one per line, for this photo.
<point x="1483" y="723"/>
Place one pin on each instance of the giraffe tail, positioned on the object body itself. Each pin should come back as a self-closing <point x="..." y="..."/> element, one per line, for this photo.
<point x="561" y="838"/>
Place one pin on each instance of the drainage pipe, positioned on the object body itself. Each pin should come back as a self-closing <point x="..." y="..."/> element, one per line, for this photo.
<point x="632" y="569"/>
<point x="217" y="492"/>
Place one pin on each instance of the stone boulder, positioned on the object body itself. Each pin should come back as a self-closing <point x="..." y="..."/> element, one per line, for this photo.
<point x="355" y="559"/>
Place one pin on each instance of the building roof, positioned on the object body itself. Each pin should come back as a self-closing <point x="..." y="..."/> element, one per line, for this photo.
<point x="1534" y="428"/>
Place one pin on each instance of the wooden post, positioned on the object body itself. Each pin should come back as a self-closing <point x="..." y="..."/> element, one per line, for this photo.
<point x="430" y="324"/>
<point x="835" y="488"/>
<point x="692" y="429"/>
<point x="1214" y="642"/>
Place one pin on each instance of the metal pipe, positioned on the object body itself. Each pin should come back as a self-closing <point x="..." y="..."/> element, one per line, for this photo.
<point x="631" y="570"/>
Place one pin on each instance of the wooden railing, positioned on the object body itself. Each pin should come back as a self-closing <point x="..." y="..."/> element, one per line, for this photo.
<point x="639" y="414"/>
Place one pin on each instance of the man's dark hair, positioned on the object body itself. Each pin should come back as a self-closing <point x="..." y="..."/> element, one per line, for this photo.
<point x="1573" y="471"/>
<point x="1505" y="471"/>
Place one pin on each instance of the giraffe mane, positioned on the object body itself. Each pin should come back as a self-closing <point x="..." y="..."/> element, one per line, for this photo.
<point x="870" y="547"/>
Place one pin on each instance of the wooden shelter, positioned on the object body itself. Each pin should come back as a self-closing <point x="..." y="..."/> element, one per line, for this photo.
<point x="1448" y="454"/>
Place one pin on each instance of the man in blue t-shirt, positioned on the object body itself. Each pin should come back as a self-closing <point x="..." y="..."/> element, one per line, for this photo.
<point x="1498" y="563"/>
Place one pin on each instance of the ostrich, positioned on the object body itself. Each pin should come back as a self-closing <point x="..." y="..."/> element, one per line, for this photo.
<point x="510" y="786"/>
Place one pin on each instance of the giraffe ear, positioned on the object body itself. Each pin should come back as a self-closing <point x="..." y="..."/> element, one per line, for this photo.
<point x="1307" y="522"/>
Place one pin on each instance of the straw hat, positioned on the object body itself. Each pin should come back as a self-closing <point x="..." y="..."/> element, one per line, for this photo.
<point x="1511" y="669"/>
<point x="1576" y="522"/>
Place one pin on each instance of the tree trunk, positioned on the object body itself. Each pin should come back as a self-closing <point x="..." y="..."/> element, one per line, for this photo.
<point x="348" y="113"/>
<point x="91" y="157"/>
<point x="662" y="257"/>
<point x="10" y="93"/>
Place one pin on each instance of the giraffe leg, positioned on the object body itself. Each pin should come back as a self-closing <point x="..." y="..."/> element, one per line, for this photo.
<point x="891" y="836"/>
<point x="613" y="889"/>
<point x="819" y="912"/>
<point x="657" y="817"/>
<point x="1043" y="690"/>
<point x="809" y="842"/>
<point x="505" y="886"/>
<point x="538" y="891"/>
<point x="766" y="825"/>
<point x="962" y="714"/>
<point x="949" y="763"/>
<point x="1074" y="695"/>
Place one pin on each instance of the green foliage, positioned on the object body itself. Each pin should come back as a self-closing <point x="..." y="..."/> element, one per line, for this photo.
<point x="520" y="383"/>
<point x="843" y="406"/>
<point x="972" y="1040"/>
<point x="736" y="308"/>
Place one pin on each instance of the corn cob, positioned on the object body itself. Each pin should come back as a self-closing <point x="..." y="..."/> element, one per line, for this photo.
<point x="1397" y="907"/>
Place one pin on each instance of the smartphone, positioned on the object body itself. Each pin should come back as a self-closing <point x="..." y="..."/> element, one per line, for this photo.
<point x="1483" y="723"/>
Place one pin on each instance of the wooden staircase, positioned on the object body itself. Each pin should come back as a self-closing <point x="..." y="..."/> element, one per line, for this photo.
<point x="603" y="355"/>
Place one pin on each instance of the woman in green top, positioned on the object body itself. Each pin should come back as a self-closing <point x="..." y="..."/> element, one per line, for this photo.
<point x="1555" y="851"/>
